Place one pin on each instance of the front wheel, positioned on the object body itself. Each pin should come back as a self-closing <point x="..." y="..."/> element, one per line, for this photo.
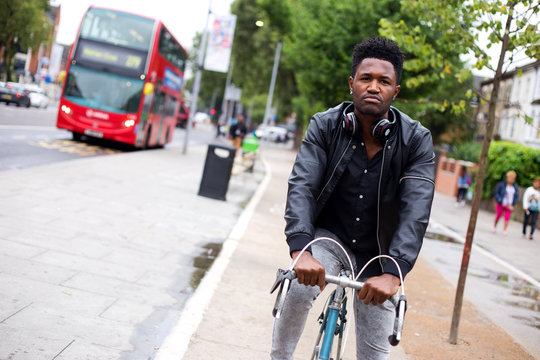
<point x="76" y="136"/>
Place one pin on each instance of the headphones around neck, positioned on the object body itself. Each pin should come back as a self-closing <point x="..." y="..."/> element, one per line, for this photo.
<point x="380" y="129"/>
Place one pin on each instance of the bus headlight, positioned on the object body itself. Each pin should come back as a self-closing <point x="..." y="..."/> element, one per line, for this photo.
<point x="129" y="123"/>
<point x="66" y="109"/>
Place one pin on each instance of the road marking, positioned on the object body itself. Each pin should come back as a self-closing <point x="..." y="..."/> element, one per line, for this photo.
<point x="73" y="147"/>
<point x="486" y="253"/>
<point x="177" y="342"/>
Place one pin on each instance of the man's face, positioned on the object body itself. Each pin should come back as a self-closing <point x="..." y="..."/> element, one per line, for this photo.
<point x="374" y="87"/>
<point x="536" y="184"/>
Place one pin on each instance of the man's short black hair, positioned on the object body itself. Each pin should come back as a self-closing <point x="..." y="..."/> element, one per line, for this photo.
<point x="379" y="48"/>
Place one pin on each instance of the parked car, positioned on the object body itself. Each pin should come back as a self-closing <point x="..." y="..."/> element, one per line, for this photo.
<point x="272" y="133"/>
<point x="201" y="117"/>
<point x="11" y="94"/>
<point x="38" y="97"/>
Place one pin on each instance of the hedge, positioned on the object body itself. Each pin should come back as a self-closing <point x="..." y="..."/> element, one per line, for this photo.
<point x="504" y="156"/>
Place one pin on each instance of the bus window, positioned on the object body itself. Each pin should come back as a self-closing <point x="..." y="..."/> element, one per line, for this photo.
<point x="117" y="28"/>
<point x="171" y="51"/>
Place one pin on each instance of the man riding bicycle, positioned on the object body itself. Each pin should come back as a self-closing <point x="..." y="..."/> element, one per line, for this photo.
<point x="364" y="175"/>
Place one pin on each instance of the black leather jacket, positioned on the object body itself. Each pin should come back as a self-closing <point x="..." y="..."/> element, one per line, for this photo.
<point x="405" y="190"/>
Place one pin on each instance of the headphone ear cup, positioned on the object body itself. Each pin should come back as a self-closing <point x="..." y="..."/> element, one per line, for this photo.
<point x="349" y="123"/>
<point x="381" y="129"/>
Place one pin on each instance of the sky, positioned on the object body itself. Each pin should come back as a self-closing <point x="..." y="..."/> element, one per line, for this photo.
<point x="184" y="18"/>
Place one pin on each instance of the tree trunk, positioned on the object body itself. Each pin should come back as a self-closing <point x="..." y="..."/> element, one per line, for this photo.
<point x="479" y="182"/>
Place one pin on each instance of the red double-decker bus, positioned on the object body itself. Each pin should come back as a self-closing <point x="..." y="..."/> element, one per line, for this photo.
<point x="124" y="82"/>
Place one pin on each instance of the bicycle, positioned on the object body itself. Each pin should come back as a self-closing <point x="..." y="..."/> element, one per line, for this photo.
<point x="333" y="319"/>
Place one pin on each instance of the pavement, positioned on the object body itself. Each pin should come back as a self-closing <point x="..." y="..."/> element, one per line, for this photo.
<point x="97" y="262"/>
<point x="99" y="255"/>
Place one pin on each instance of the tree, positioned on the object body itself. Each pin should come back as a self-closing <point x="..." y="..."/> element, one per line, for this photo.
<point x="254" y="48"/>
<point x="318" y="38"/>
<point x="512" y="26"/>
<point x="23" y="25"/>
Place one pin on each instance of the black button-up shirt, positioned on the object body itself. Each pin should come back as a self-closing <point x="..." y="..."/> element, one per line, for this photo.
<point x="351" y="210"/>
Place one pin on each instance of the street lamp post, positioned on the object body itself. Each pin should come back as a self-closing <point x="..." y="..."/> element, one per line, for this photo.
<point x="272" y="84"/>
<point x="270" y="96"/>
<point x="197" y="82"/>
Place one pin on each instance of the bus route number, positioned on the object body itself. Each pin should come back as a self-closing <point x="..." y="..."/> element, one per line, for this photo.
<point x="133" y="61"/>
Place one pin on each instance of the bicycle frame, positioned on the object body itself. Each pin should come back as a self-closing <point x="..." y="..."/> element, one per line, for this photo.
<point x="336" y="310"/>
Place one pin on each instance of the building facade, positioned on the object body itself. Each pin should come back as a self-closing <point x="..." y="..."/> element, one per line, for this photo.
<point x="519" y="95"/>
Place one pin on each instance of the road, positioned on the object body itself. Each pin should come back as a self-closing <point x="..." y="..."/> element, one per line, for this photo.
<point x="29" y="137"/>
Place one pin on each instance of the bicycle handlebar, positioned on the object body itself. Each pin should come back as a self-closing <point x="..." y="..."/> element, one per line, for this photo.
<point x="284" y="279"/>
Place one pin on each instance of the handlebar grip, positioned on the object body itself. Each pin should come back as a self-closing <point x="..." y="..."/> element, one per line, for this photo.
<point x="401" y="307"/>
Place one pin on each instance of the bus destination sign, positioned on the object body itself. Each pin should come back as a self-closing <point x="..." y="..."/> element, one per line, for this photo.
<point x="131" y="61"/>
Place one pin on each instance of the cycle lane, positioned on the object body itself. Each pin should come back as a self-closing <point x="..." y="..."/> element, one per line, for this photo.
<point x="237" y="323"/>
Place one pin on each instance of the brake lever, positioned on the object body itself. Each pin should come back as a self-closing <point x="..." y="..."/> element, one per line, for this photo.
<point x="395" y="338"/>
<point x="283" y="281"/>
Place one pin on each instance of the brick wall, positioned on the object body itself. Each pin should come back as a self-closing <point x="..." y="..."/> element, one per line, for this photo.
<point x="448" y="170"/>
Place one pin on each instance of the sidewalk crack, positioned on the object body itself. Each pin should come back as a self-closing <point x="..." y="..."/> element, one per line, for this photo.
<point x="16" y="312"/>
<point x="61" y="351"/>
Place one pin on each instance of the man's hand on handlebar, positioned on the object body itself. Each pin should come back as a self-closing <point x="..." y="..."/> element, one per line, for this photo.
<point x="378" y="289"/>
<point x="308" y="270"/>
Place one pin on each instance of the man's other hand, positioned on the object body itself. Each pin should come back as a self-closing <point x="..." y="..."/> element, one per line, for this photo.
<point x="378" y="289"/>
<point x="308" y="270"/>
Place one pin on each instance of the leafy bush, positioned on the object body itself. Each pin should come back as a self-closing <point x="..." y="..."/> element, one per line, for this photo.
<point x="469" y="151"/>
<point x="504" y="156"/>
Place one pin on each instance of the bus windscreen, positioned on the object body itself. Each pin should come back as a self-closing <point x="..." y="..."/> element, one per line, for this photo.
<point x="103" y="91"/>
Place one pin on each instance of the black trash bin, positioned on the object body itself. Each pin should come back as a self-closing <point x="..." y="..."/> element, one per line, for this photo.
<point x="217" y="171"/>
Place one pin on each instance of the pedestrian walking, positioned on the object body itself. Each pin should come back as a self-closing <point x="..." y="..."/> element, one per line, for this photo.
<point x="237" y="132"/>
<point x="531" y="197"/>
<point x="464" y="181"/>
<point x="506" y="196"/>
<point x="364" y="176"/>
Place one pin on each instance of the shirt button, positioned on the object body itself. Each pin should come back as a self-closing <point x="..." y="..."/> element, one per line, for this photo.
<point x="357" y="219"/>
<point x="354" y="147"/>
<point x="361" y="196"/>
<point x="362" y="144"/>
<point x="365" y="171"/>
<point x="354" y="241"/>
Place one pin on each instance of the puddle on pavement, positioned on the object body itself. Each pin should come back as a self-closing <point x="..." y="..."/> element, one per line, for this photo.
<point x="525" y="296"/>
<point x="203" y="262"/>
<point x="441" y="237"/>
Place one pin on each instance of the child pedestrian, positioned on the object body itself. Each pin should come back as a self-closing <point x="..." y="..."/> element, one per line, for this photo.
<point x="531" y="197"/>
<point x="464" y="181"/>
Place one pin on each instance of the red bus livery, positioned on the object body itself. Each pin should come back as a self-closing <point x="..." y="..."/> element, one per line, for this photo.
<point x="125" y="77"/>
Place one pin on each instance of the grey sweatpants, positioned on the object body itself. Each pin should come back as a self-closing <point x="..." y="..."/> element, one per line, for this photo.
<point x="373" y="323"/>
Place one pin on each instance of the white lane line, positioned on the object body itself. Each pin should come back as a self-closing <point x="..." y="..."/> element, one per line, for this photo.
<point x="177" y="342"/>
<point x="486" y="253"/>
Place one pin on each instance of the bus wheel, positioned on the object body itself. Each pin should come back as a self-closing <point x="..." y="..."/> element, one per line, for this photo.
<point x="76" y="136"/>
<point x="166" y="139"/>
<point x="147" y="140"/>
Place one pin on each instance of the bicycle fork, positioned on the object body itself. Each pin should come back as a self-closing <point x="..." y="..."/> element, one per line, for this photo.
<point x="335" y="311"/>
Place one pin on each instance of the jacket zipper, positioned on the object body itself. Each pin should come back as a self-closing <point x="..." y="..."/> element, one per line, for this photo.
<point x="379" y="202"/>
<point x="335" y="168"/>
